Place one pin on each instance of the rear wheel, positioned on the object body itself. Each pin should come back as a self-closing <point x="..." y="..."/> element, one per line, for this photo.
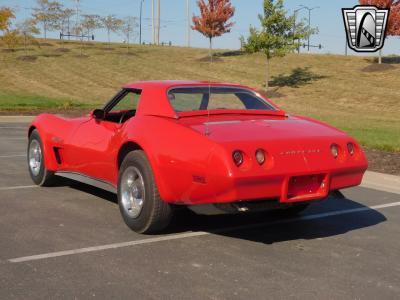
<point x="138" y="198"/>
<point x="36" y="164"/>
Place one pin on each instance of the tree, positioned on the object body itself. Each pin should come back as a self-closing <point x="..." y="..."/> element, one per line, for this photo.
<point x="91" y="23"/>
<point x="66" y="17"/>
<point x="112" y="24"/>
<point x="276" y="37"/>
<point x="128" y="29"/>
<point x="6" y="14"/>
<point x="63" y="21"/>
<point x="214" y="18"/>
<point x="393" y="26"/>
<point x="48" y="13"/>
<point x="302" y="31"/>
<point x="28" y="29"/>
<point x="11" y="38"/>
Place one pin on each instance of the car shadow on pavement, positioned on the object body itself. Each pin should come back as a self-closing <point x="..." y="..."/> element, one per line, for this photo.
<point x="266" y="227"/>
<point x="64" y="182"/>
<point x="271" y="227"/>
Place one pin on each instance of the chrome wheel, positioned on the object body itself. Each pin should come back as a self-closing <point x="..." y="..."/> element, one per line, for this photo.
<point x="132" y="192"/>
<point x="35" y="157"/>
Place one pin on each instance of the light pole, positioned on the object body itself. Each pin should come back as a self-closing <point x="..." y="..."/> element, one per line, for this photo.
<point x="294" y="25"/>
<point x="188" y="22"/>
<point x="309" y="23"/>
<point x="140" y="22"/>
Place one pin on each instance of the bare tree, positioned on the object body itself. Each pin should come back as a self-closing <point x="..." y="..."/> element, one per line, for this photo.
<point x="90" y="23"/>
<point x="129" y="29"/>
<point x="47" y="13"/>
<point x="65" y="20"/>
<point x="28" y="28"/>
<point x="112" y="24"/>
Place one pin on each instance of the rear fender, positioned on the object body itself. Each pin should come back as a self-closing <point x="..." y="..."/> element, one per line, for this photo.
<point x="163" y="189"/>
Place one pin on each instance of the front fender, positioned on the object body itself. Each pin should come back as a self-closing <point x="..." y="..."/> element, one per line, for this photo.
<point x="53" y="131"/>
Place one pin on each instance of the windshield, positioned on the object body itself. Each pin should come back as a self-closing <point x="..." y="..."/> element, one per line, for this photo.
<point x="187" y="99"/>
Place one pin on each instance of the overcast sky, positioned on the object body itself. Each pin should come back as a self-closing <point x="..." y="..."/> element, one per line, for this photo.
<point x="328" y="18"/>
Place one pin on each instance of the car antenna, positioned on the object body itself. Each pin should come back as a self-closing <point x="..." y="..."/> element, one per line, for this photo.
<point x="207" y="128"/>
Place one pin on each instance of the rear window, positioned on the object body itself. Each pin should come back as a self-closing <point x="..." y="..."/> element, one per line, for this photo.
<point x="186" y="99"/>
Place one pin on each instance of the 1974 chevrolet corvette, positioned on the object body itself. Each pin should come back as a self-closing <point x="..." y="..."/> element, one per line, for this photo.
<point x="164" y="144"/>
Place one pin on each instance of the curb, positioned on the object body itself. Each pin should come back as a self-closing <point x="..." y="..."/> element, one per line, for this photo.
<point x="16" y="119"/>
<point x="381" y="182"/>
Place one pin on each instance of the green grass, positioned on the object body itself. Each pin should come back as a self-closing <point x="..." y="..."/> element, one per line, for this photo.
<point x="28" y="103"/>
<point x="331" y="88"/>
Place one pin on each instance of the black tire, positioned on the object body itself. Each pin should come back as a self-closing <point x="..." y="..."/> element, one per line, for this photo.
<point x="155" y="214"/>
<point x="294" y="210"/>
<point x="42" y="177"/>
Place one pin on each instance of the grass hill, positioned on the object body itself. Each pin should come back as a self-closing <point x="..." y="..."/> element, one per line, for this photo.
<point x="350" y="92"/>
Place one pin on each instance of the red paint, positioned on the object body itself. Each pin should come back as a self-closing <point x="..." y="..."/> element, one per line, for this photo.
<point x="191" y="167"/>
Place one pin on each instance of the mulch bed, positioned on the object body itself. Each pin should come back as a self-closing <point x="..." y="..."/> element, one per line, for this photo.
<point x="378" y="68"/>
<point x="129" y="54"/>
<point x="46" y="45"/>
<point x="81" y="56"/>
<point x="207" y="59"/>
<point x="50" y="55"/>
<point x="383" y="161"/>
<point x="62" y="50"/>
<point x="27" y="58"/>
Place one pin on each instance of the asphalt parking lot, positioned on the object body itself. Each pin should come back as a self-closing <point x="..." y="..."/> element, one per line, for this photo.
<point x="70" y="242"/>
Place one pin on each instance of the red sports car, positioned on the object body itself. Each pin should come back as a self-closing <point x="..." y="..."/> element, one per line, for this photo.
<point x="164" y="144"/>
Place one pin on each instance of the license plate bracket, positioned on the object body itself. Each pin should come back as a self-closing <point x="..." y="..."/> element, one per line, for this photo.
<point x="306" y="187"/>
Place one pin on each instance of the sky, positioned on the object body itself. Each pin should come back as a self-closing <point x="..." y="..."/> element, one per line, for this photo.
<point x="327" y="17"/>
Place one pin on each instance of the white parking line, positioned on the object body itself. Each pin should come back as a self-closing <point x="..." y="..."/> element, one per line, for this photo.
<point x="8" y="188"/>
<point x="14" y="138"/>
<point x="196" y="234"/>
<point x="13" y="127"/>
<point x="12" y="155"/>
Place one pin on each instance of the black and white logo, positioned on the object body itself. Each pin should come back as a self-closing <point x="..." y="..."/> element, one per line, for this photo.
<point x="365" y="27"/>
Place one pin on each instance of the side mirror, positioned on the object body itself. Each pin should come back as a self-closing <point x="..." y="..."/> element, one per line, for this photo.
<point x="98" y="114"/>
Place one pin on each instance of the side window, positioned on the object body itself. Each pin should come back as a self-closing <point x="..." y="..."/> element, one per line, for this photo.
<point x="129" y="102"/>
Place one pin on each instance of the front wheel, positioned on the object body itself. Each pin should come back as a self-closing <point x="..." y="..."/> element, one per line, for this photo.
<point x="36" y="164"/>
<point x="138" y="198"/>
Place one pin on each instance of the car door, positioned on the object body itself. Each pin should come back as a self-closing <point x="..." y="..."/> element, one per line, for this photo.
<point x="94" y="146"/>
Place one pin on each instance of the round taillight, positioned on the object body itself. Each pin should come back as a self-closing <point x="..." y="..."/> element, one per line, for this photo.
<point x="237" y="156"/>
<point x="335" y="150"/>
<point x="260" y="156"/>
<point x="350" y="148"/>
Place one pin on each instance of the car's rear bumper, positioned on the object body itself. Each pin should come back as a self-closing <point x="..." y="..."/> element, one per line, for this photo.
<point x="288" y="188"/>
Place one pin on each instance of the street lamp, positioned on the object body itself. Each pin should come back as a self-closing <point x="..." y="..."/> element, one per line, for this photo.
<point x="294" y="24"/>
<point x="309" y="23"/>
<point x="140" y="22"/>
